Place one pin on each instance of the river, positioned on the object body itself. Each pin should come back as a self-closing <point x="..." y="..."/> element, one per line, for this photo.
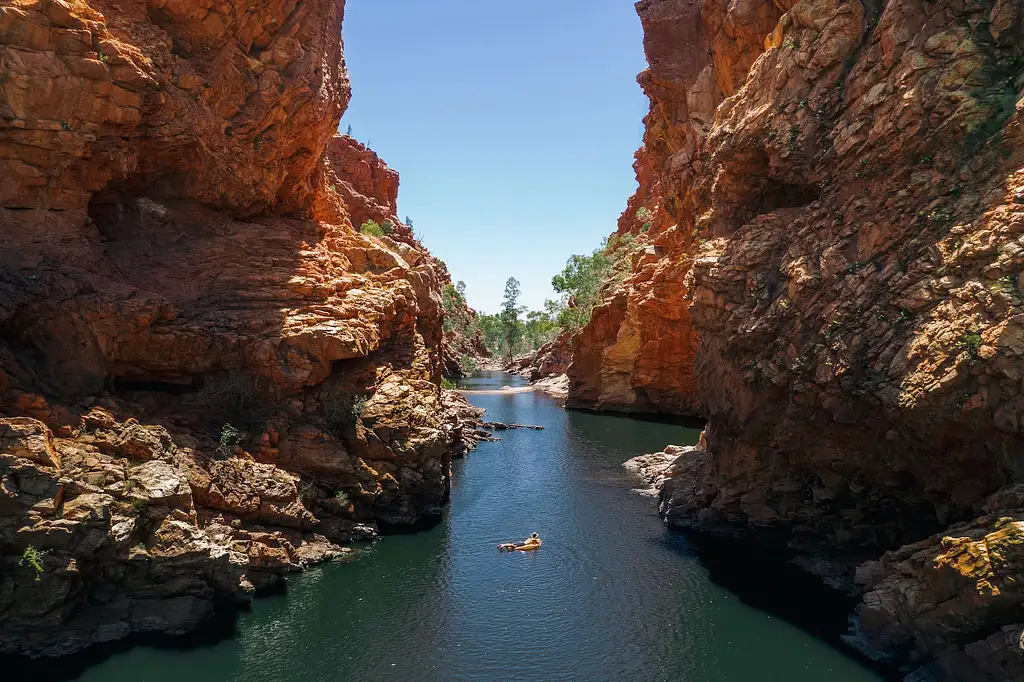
<point x="612" y="595"/>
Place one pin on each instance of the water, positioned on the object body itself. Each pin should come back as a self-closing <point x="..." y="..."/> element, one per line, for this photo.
<point x="612" y="594"/>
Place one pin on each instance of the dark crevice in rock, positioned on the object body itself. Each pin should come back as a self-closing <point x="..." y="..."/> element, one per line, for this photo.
<point x="117" y="214"/>
<point x="776" y="194"/>
<point x="121" y="384"/>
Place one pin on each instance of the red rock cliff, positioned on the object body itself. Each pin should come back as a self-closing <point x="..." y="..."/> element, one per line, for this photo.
<point x="207" y="376"/>
<point x="638" y="352"/>
<point x="368" y="188"/>
<point x="848" y="182"/>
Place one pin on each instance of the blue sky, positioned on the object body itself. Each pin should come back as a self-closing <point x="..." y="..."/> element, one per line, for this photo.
<point x="513" y="125"/>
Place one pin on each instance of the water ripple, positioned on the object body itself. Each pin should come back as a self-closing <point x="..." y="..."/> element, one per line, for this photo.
<point x="611" y="595"/>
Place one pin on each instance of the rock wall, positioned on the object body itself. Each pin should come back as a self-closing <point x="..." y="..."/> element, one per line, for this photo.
<point x="638" y="351"/>
<point x="203" y="100"/>
<point x="367" y="187"/>
<point x="849" y="178"/>
<point x="208" y="377"/>
<point x="861" y="274"/>
<point x="553" y="358"/>
<point x="950" y="605"/>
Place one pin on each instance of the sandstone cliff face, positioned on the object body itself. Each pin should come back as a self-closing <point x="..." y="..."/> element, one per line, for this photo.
<point x="951" y="603"/>
<point x="849" y="178"/>
<point x="208" y="377"/>
<point x="205" y="100"/>
<point x="861" y="273"/>
<point x="368" y="188"/>
<point x="553" y="358"/>
<point x="366" y="185"/>
<point x="638" y="351"/>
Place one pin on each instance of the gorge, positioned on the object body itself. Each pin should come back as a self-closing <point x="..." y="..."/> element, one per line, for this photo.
<point x="212" y="377"/>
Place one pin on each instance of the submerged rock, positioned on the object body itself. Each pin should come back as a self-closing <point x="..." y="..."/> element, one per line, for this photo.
<point x="501" y="426"/>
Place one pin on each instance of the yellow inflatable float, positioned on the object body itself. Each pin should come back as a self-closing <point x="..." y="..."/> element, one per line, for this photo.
<point x="531" y="544"/>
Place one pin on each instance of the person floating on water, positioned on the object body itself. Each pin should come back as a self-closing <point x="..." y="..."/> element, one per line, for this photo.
<point x="529" y="544"/>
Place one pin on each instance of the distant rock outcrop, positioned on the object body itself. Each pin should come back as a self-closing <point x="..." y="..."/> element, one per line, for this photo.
<point x="550" y="359"/>
<point x="638" y="351"/>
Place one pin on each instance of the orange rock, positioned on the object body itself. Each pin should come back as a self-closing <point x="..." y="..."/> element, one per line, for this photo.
<point x="843" y="187"/>
<point x="367" y="186"/>
<point x="233" y="112"/>
<point x="638" y="353"/>
<point x="180" y="277"/>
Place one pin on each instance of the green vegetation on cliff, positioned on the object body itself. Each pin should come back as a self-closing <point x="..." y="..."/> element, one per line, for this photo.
<point x="583" y="283"/>
<point x="372" y="229"/>
<point x="585" y="279"/>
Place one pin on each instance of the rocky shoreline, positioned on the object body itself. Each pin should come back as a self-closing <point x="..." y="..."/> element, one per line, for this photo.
<point x="137" y="531"/>
<point x="210" y="375"/>
<point x="829" y="210"/>
<point x="942" y="608"/>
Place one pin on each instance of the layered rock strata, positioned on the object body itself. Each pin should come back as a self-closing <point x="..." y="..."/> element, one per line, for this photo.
<point x="638" y="351"/>
<point x="369" y="190"/>
<point x="208" y="376"/>
<point x="850" y="181"/>
<point x="950" y="605"/>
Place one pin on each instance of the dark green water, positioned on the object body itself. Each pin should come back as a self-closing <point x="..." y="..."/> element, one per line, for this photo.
<point x="612" y="594"/>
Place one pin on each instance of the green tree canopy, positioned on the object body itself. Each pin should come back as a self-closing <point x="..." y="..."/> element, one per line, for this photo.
<point x="511" y="326"/>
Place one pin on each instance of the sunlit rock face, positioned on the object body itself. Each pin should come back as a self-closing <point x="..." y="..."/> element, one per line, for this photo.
<point x="208" y="377"/>
<point x="847" y="186"/>
<point x="638" y="351"/>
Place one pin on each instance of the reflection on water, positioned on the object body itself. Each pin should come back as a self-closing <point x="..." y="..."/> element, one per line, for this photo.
<point x="612" y="594"/>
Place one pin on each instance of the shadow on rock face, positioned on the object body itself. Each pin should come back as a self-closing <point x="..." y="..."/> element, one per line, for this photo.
<point x="765" y="579"/>
<point x="223" y="626"/>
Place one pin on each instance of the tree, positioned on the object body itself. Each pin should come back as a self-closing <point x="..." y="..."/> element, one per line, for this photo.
<point x="580" y="284"/>
<point x="511" y="327"/>
<point x="456" y="314"/>
<point x="541" y="327"/>
<point x="554" y="308"/>
<point x="584" y="279"/>
<point x="490" y="329"/>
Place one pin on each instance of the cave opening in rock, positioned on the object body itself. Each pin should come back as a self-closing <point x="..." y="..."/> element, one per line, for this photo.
<point x="119" y="214"/>
<point x="776" y="194"/>
<point x="123" y="384"/>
